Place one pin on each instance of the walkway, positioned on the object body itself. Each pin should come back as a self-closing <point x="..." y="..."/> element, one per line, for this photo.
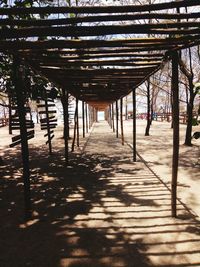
<point x="102" y="211"/>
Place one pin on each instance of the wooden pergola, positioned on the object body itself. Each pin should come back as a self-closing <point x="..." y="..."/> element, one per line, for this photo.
<point x="98" y="59"/>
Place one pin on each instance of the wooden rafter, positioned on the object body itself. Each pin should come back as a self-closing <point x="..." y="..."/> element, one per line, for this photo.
<point x="99" y="9"/>
<point x="182" y="28"/>
<point x="102" y="18"/>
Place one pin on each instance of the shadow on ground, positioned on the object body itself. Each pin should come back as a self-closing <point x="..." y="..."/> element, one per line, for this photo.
<point x="70" y="225"/>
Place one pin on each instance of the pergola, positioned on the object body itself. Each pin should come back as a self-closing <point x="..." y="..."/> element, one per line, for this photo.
<point x="97" y="58"/>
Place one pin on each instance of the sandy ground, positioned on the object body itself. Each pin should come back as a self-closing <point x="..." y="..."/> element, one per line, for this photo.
<point x="102" y="210"/>
<point x="156" y="150"/>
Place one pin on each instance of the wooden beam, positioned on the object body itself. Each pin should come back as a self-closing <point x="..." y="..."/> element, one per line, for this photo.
<point x="75" y="20"/>
<point x="73" y="31"/>
<point x="87" y="44"/>
<point x="98" y="9"/>
<point x="88" y="72"/>
<point x="68" y="60"/>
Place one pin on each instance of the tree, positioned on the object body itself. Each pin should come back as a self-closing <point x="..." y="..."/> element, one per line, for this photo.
<point x="187" y="62"/>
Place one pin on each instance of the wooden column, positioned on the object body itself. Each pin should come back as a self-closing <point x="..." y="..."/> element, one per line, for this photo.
<point x="113" y="123"/>
<point x="148" y="109"/>
<point x="134" y="125"/>
<point x="175" y="157"/>
<point x="121" y="120"/>
<point x="77" y="124"/>
<point x="126" y="109"/>
<point x="117" y="119"/>
<point x="83" y="118"/>
<point x="48" y="126"/>
<point x="89" y="117"/>
<point x="20" y="96"/>
<point x="96" y="115"/>
<point x="10" y="113"/>
<point x="105" y="114"/>
<point x="86" y="116"/>
<point x="65" y="102"/>
<point x="110" y="116"/>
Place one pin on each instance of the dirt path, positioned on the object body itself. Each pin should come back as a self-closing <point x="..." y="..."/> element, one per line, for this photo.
<point x="102" y="210"/>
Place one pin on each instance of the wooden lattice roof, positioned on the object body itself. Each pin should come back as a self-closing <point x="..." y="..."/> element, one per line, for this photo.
<point x="74" y="54"/>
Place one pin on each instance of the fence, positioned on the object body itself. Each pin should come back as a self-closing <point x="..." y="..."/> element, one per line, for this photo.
<point x="164" y="117"/>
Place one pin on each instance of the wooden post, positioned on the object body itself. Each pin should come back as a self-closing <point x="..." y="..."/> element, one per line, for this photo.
<point x="110" y="116"/>
<point x="113" y="123"/>
<point x="65" y="102"/>
<point x="126" y="109"/>
<point x="148" y="109"/>
<point x="18" y="83"/>
<point x="10" y="114"/>
<point x="106" y="114"/>
<point x="89" y="117"/>
<point x="121" y="120"/>
<point x="96" y="115"/>
<point x="175" y="157"/>
<point x="48" y="126"/>
<point x="134" y="125"/>
<point x="83" y="118"/>
<point x="93" y="115"/>
<point x="117" y="119"/>
<point x="86" y="116"/>
<point x="77" y="124"/>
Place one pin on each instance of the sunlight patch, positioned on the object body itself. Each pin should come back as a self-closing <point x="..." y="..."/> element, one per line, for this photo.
<point x="27" y="224"/>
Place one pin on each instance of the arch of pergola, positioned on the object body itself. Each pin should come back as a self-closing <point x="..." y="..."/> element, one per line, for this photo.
<point x="94" y="57"/>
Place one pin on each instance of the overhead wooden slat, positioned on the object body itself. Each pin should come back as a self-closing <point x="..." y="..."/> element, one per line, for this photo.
<point x="142" y="60"/>
<point x="87" y="44"/>
<point x="99" y="9"/>
<point x="100" y="56"/>
<point x="81" y="31"/>
<point x="111" y="18"/>
<point x="110" y="68"/>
